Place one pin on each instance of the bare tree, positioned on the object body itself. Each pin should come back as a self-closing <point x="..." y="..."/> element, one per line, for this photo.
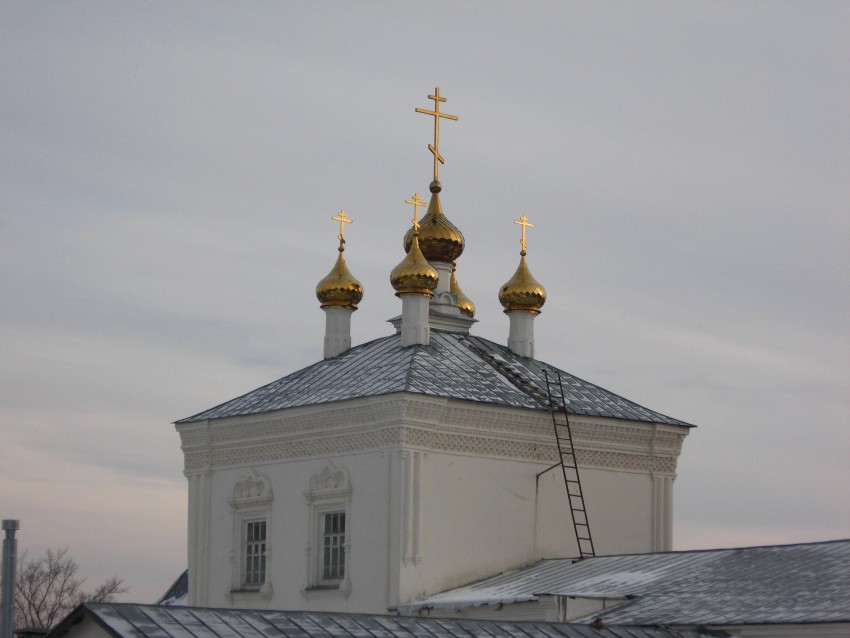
<point x="48" y="588"/>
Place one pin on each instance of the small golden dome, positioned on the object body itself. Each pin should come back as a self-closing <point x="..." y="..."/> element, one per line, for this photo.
<point x="522" y="291"/>
<point x="339" y="287"/>
<point x="439" y="239"/>
<point x="464" y="303"/>
<point x="414" y="275"/>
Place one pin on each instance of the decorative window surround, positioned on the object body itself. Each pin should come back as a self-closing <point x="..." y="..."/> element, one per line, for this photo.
<point x="329" y="493"/>
<point x="251" y="505"/>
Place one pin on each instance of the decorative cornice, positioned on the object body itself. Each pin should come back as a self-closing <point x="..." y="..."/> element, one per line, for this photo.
<point x="427" y="423"/>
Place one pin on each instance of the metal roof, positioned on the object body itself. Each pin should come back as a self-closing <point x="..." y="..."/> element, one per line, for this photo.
<point x="779" y="584"/>
<point x="454" y="365"/>
<point x="125" y="620"/>
<point x="178" y="593"/>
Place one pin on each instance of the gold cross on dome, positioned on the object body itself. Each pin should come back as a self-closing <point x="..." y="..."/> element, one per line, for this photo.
<point x="343" y="220"/>
<point x="435" y="147"/>
<point x="523" y="221"/>
<point x="416" y="203"/>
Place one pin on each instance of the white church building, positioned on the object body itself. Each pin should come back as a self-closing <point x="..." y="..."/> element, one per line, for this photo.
<point x="397" y="469"/>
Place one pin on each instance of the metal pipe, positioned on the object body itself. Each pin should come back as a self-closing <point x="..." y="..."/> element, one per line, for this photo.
<point x="10" y="562"/>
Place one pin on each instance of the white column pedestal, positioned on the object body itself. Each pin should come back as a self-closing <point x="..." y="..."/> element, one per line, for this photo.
<point x="337" y="330"/>
<point x="414" y="320"/>
<point x="521" y="334"/>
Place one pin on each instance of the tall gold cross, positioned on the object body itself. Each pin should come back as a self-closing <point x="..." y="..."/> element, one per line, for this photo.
<point x="523" y="221"/>
<point x="343" y="220"/>
<point x="416" y="203"/>
<point x="435" y="148"/>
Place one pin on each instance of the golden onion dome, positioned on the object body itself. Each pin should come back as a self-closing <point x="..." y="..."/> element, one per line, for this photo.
<point x="339" y="287"/>
<point x="522" y="291"/>
<point x="439" y="239"/>
<point x="414" y="275"/>
<point x="464" y="303"/>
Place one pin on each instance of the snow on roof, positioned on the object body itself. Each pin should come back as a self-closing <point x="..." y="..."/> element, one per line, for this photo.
<point x="125" y="620"/>
<point x="803" y="583"/>
<point x="454" y="365"/>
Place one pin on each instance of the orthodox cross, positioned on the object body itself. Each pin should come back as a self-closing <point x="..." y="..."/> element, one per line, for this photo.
<point x="416" y="203"/>
<point x="435" y="148"/>
<point x="523" y="221"/>
<point x="343" y="220"/>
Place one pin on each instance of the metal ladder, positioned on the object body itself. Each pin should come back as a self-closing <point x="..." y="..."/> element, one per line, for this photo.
<point x="569" y="467"/>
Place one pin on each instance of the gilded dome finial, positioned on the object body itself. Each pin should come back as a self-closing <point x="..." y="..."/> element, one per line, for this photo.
<point x="439" y="239"/>
<point x="343" y="220"/>
<point x="416" y="203"/>
<point x="522" y="291"/>
<point x="523" y="221"/>
<point x="464" y="303"/>
<point x="414" y="275"/>
<point x="435" y="147"/>
<point x="339" y="287"/>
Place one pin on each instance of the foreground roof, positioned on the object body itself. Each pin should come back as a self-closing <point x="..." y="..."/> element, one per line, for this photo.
<point x="124" y="620"/>
<point x="454" y="365"/>
<point x="779" y="584"/>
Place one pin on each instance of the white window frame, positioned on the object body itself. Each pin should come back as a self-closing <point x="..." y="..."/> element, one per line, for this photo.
<point x="329" y="493"/>
<point x="251" y="503"/>
<point x="322" y="577"/>
<point x="249" y="578"/>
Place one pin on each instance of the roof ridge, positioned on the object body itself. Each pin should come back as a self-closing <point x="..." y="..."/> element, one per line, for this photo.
<point x="507" y="370"/>
<point x="408" y="375"/>
<point x="697" y="551"/>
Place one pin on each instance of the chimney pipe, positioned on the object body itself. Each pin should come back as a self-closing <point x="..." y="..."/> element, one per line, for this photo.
<point x="10" y="563"/>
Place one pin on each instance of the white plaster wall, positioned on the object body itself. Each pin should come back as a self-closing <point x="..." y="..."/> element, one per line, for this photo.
<point x="620" y="511"/>
<point x="289" y="533"/>
<point x="482" y="516"/>
<point x="422" y="518"/>
<point x="477" y="515"/>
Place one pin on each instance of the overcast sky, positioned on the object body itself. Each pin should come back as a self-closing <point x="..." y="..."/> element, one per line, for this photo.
<point x="169" y="172"/>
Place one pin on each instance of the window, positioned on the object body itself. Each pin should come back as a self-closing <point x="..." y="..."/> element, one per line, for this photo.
<point x="254" y="574"/>
<point x="333" y="546"/>
<point x="250" y="558"/>
<point x="329" y="533"/>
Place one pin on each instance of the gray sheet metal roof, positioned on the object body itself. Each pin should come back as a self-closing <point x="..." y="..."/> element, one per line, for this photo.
<point x="178" y="593"/>
<point x="805" y="583"/>
<point x="454" y="366"/>
<point x="124" y="620"/>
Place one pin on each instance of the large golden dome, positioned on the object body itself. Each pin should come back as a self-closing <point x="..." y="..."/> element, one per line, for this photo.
<point x="339" y="287"/>
<point x="414" y="275"/>
<point x="522" y="291"/>
<point x="464" y="303"/>
<point x="439" y="239"/>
